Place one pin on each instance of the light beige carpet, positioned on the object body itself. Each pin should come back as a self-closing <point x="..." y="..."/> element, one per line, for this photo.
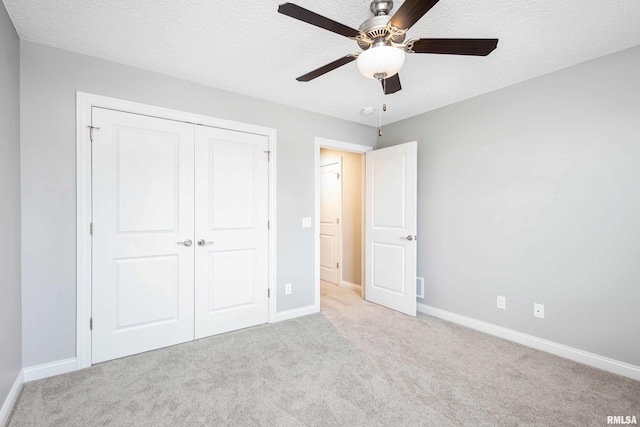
<point x="354" y="364"/>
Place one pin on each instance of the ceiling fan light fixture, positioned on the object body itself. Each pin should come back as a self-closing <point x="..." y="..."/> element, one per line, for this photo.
<point x="381" y="60"/>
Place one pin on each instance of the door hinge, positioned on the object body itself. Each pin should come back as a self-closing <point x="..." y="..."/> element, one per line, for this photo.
<point x="91" y="128"/>
<point x="268" y="293"/>
<point x="91" y="323"/>
<point x="268" y="225"/>
<point x="91" y="229"/>
<point x="268" y="156"/>
<point x="337" y="176"/>
<point x="337" y="220"/>
<point x="337" y="265"/>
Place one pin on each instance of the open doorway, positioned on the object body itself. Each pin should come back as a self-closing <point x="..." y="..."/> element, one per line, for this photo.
<point x="340" y="209"/>
<point x="332" y="220"/>
<point x="341" y="218"/>
<point x="388" y="237"/>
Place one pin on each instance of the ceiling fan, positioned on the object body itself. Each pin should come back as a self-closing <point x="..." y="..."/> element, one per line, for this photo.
<point x="382" y="39"/>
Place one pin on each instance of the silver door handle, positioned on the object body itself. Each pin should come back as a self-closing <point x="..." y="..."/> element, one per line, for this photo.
<point x="202" y="242"/>
<point x="409" y="237"/>
<point x="187" y="243"/>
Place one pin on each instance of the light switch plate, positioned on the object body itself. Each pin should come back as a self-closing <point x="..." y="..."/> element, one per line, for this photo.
<point x="306" y="222"/>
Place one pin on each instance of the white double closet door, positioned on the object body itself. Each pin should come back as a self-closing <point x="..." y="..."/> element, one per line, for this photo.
<point x="180" y="237"/>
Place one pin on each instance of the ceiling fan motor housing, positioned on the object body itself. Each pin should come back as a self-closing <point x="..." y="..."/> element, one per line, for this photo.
<point x="375" y="29"/>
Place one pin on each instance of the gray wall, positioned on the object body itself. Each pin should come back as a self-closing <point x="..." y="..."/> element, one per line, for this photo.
<point x="50" y="79"/>
<point x="533" y="192"/>
<point x="10" y="322"/>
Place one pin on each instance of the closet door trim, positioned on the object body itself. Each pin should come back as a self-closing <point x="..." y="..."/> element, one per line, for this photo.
<point x="84" y="104"/>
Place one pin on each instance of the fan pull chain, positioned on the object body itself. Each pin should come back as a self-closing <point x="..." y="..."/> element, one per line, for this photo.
<point x="384" y="106"/>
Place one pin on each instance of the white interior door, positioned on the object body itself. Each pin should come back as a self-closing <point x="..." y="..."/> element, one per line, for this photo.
<point x="231" y="252"/>
<point x="142" y="289"/>
<point x="391" y="193"/>
<point x="330" y="218"/>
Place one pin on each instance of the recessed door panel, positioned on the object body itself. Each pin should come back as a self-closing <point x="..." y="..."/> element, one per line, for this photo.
<point x="147" y="179"/>
<point x="233" y="176"/>
<point x="232" y="281"/>
<point x="142" y="288"/>
<point x="328" y="180"/>
<point x="388" y="175"/>
<point x="327" y="258"/>
<point x="388" y="268"/>
<point x="147" y="291"/>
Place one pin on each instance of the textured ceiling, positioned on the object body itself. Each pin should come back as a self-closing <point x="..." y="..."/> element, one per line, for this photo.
<point x="247" y="47"/>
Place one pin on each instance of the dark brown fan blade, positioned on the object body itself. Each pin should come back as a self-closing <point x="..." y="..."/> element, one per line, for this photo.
<point x="326" y="68"/>
<point x="477" y="47"/>
<point x="313" y="18"/>
<point x="410" y="12"/>
<point x="391" y="85"/>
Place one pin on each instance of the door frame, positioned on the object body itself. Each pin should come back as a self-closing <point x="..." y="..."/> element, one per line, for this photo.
<point x="342" y="146"/>
<point x="84" y="104"/>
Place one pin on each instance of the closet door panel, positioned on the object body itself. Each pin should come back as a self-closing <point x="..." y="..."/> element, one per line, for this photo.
<point x="231" y="214"/>
<point x="142" y="288"/>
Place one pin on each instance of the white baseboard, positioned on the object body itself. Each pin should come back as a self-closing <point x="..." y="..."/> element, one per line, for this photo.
<point x="296" y="312"/>
<point x="349" y="285"/>
<point x="10" y="401"/>
<point x="577" y="355"/>
<point x="47" y="370"/>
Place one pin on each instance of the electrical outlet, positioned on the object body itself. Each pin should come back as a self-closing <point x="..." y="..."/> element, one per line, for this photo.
<point x="287" y="289"/>
<point x="538" y="310"/>
<point x="502" y="302"/>
<point x="306" y="222"/>
<point x="420" y="287"/>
